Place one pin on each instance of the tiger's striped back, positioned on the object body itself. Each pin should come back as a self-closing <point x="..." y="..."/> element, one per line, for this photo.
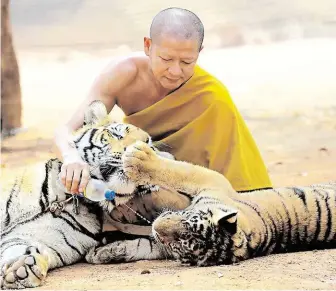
<point x="290" y="218"/>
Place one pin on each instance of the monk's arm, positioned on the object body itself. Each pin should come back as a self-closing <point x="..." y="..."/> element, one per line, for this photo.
<point x="106" y="88"/>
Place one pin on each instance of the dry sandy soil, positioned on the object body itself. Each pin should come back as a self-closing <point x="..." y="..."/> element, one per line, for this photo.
<point x="286" y="93"/>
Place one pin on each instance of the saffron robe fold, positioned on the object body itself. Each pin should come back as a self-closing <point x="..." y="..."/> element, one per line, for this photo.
<point x="200" y="124"/>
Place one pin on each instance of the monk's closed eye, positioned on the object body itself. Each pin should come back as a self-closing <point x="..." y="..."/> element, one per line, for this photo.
<point x="166" y="60"/>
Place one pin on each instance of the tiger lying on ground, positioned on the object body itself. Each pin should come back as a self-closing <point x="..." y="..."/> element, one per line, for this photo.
<point x="39" y="229"/>
<point x="220" y="226"/>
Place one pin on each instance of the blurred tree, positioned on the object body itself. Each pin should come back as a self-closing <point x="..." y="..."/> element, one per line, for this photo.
<point x="11" y="105"/>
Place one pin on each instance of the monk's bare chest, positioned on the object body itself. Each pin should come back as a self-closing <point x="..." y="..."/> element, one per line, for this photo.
<point x="137" y="97"/>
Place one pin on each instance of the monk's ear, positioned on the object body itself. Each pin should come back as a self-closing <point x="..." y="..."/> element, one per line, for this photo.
<point x="147" y="45"/>
<point x="201" y="48"/>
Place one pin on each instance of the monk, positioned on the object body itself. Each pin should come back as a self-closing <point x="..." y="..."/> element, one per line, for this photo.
<point x="177" y="102"/>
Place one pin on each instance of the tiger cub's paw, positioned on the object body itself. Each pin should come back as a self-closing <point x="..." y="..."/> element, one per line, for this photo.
<point x="26" y="271"/>
<point x="140" y="162"/>
<point x="111" y="253"/>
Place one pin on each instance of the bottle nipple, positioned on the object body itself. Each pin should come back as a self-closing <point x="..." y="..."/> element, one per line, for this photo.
<point x="109" y="195"/>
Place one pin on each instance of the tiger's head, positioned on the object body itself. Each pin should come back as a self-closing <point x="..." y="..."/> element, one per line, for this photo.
<point x="101" y="143"/>
<point x="201" y="237"/>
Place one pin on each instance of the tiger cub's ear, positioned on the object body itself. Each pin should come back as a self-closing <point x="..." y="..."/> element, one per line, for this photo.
<point x="95" y="113"/>
<point x="226" y="218"/>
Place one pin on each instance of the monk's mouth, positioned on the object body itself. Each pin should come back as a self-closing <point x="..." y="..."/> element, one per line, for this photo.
<point x="173" y="80"/>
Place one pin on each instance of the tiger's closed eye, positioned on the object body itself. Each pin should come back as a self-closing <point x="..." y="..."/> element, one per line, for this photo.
<point x="106" y="137"/>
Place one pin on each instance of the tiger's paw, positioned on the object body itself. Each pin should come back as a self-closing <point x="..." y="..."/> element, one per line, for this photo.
<point x="111" y="253"/>
<point x="26" y="271"/>
<point x="140" y="162"/>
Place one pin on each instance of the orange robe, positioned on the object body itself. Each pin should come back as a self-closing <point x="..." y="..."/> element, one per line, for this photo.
<point x="200" y="124"/>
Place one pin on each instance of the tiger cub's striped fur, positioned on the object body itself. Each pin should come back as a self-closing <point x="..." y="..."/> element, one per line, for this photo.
<point x="223" y="226"/>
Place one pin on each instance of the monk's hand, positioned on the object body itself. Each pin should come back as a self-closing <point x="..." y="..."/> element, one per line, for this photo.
<point x="75" y="173"/>
<point x="140" y="162"/>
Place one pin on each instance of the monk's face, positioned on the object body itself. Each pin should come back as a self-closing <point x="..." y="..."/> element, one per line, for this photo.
<point x="172" y="60"/>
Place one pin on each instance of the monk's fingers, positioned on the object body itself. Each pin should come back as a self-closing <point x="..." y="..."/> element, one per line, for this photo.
<point x="75" y="180"/>
<point x="68" y="178"/>
<point x="62" y="175"/>
<point x="84" y="179"/>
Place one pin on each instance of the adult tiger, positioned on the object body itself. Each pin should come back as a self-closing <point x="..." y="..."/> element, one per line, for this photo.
<point x="39" y="229"/>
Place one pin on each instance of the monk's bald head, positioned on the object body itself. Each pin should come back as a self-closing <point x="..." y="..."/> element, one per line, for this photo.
<point x="179" y="23"/>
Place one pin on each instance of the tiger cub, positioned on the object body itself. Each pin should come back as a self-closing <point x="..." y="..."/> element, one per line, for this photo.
<point x="222" y="226"/>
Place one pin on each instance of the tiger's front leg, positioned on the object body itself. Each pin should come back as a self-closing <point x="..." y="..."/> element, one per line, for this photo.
<point x="143" y="166"/>
<point x="23" y="271"/>
<point x="29" y="250"/>
<point x="128" y="250"/>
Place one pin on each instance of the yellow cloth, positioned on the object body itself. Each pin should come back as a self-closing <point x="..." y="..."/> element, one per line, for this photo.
<point x="200" y="124"/>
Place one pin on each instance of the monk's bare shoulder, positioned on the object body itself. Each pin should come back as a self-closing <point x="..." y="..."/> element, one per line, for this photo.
<point x="123" y="71"/>
<point x="114" y="78"/>
<point x="140" y="61"/>
<point x="125" y="68"/>
<point x="125" y="82"/>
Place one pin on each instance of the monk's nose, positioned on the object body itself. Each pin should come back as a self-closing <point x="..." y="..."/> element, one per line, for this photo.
<point x="175" y="70"/>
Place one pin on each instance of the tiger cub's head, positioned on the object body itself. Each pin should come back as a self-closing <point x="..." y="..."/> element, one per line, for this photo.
<point x="201" y="237"/>
<point x="101" y="143"/>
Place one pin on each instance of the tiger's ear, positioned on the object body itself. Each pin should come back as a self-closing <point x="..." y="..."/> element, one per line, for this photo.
<point x="226" y="219"/>
<point x="95" y="113"/>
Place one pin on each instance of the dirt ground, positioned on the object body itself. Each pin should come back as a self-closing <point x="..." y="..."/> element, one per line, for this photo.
<point x="299" y="149"/>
